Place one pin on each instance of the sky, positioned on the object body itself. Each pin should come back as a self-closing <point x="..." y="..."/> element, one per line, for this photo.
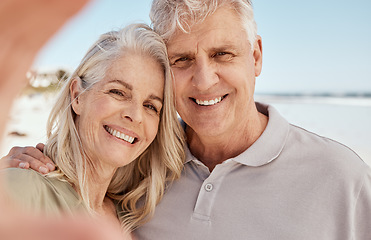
<point x="316" y="46"/>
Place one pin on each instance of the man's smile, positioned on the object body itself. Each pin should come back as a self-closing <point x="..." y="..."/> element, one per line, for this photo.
<point x="209" y="102"/>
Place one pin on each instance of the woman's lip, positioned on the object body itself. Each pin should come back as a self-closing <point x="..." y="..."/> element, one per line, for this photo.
<point x="121" y="133"/>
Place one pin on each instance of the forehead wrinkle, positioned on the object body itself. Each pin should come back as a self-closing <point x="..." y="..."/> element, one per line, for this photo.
<point x="218" y="39"/>
<point x="200" y="40"/>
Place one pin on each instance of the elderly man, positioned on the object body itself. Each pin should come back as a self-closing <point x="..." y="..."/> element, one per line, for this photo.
<point x="249" y="174"/>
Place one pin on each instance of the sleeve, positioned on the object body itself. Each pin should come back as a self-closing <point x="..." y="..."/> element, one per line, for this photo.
<point x="31" y="191"/>
<point x="362" y="221"/>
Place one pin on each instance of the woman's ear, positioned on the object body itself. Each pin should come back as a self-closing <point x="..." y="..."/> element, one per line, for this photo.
<point x="75" y="91"/>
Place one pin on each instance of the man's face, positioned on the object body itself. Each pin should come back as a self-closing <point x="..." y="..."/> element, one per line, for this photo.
<point x="215" y="72"/>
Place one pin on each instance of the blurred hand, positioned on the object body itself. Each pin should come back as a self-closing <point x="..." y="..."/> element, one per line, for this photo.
<point x="17" y="226"/>
<point x="25" y="26"/>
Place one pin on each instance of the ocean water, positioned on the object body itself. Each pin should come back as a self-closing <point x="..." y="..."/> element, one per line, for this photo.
<point x="344" y="119"/>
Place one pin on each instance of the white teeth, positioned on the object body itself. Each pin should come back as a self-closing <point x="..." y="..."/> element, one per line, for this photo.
<point x="123" y="136"/>
<point x="120" y="135"/>
<point x="209" y="102"/>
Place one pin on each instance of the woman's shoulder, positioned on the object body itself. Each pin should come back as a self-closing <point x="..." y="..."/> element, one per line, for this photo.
<point x="34" y="191"/>
<point x="23" y="180"/>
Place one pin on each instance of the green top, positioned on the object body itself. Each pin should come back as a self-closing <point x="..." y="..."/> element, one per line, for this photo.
<point x="33" y="191"/>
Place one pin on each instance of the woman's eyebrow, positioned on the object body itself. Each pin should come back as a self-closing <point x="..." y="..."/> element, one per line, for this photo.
<point x="125" y="84"/>
<point x="130" y="87"/>
<point x="154" y="97"/>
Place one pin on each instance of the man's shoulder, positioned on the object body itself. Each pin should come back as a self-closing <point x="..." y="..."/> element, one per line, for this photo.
<point x="321" y="143"/>
<point x="325" y="151"/>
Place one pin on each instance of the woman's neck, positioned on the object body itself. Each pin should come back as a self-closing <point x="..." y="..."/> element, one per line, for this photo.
<point x="97" y="182"/>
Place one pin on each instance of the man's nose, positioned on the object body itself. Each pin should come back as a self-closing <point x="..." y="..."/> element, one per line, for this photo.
<point x="205" y="75"/>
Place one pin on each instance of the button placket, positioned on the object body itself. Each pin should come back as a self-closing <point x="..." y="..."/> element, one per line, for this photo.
<point x="208" y="193"/>
<point x="209" y="187"/>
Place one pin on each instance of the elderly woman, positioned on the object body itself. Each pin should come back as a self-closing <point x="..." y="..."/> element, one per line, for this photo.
<point x="113" y="135"/>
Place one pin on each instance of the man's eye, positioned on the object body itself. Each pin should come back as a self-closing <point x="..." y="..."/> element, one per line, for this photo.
<point x="182" y="62"/>
<point x="181" y="59"/>
<point x="223" y="56"/>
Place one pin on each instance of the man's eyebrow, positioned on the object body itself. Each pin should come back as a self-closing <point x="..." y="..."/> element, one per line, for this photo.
<point x="125" y="84"/>
<point x="227" y="47"/>
<point x="180" y="54"/>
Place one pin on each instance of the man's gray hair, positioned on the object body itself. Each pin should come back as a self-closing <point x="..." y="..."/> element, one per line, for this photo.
<point x="169" y="15"/>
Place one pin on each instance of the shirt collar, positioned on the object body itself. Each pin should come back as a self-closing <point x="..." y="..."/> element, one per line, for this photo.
<point x="268" y="146"/>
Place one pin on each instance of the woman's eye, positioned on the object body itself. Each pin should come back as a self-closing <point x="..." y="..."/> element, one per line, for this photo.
<point x="151" y="107"/>
<point x="116" y="92"/>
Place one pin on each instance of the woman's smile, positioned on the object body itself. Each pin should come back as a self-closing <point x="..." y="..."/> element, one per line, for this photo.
<point x="120" y="135"/>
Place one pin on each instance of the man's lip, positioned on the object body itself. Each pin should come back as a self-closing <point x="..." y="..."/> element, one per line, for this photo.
<point x="208" y="101"/>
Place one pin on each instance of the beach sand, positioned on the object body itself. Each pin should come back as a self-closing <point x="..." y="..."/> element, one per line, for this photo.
<point x="27" y="121"/>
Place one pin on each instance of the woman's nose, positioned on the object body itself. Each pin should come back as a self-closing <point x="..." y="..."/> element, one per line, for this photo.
<point x="133" y="113"/>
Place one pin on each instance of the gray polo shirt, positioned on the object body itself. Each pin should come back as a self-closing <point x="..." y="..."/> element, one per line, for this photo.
<point x="290" y="184"/>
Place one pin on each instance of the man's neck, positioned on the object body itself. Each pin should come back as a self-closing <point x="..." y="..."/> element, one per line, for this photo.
<point x="215" y="150"/>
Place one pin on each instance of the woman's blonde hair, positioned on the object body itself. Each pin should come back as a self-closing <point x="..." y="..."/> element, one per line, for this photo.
<point x="143" y="179"/>
<point x="169" y="15"/>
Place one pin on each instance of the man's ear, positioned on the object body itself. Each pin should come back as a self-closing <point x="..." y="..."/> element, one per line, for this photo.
<point x="75" y="91"/>
<point x="258" y="55"/>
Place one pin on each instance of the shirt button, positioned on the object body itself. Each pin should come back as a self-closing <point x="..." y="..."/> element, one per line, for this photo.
<point x="209" y="187"/>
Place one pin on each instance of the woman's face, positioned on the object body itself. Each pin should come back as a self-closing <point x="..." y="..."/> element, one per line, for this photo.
<point x="117" y="119"/>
